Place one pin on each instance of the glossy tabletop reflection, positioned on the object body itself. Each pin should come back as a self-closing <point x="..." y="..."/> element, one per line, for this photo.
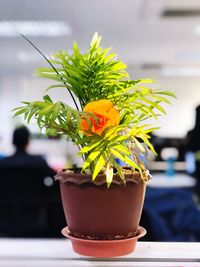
<point x="58" y="252"/>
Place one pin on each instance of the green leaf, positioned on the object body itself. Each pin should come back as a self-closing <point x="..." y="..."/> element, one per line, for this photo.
<point x="149" y="144"/>
<point x="95" y="40"/>
<point x="157" y="106"/>
<point x="92" y="156"/>
<point x="56" y="111"/>
<point x="55" y="77"/>
<point x="55" y="86"/>
<point x="161" y="99"/>
<point x="109" y="174"/>
<point x="122" y="148"/>
<point x="88" y="147"/>
<point x="20" y="111"/>
<point x="45" y="110"/>
<point x="125" y="159"/>
<point x="167" y="93"/>
<point x="38" y="104"/>
<point x="31" y="114"/>
<point x="100" y="163"/>
<point x="146" y="110"/>
<point x="48" y="70"/>
<point x="47" y="98"/>
<point x="147" y="81"/>
<point x="138" y="144"/>
<point x="119" y="170"/>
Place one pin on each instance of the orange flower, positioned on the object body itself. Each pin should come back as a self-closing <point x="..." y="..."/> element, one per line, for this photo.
<point x="106" y="113"/>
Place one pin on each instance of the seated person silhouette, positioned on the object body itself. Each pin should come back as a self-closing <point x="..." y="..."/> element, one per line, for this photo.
<point x="23" y="168"/>
<point x="24" y="198"/>
<point x="193" y="145"/>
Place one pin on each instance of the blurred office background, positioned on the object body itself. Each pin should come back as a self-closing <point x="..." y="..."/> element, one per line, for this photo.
<point x="157" y="39"/>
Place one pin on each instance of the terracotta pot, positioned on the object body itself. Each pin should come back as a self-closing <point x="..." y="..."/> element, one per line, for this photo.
<point x="94" y="212"/>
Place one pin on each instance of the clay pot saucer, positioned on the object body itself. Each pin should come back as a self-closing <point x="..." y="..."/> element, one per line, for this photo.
<point x="104" y="248"/>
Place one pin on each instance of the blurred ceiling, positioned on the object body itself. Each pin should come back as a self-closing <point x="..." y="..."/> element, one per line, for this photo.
<point x="146" y="34"/>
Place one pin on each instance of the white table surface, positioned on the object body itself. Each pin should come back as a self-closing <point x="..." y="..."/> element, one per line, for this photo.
<point x="57" y="253"/>
<point x="161" y="180"/>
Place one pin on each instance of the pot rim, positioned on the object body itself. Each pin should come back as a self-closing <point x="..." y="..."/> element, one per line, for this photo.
<point x="66" y="175"/>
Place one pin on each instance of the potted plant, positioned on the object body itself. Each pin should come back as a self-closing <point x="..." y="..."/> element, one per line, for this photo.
<point x="103" y="200"/>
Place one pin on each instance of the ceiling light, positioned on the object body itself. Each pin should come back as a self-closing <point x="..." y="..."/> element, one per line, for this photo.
<point x="34" y="28"/>
<point x="197" y="30"/>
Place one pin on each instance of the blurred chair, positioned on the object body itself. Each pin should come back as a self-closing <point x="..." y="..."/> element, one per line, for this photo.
<point x="172" y="215"/>
<point x="22" y="202"/>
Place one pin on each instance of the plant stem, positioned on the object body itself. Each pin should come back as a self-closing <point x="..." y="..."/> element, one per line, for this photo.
<point x="31" y="43"/>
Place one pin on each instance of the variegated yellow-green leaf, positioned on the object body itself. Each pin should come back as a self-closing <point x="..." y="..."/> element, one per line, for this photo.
<point x="109" y="174"/>
<point x="92" y="156"/>
<point x="88" y="147"/>
<point x="100" y="163"/>
<point x="125" y="159"/>
<point x="138" y="144"/>
<point x="119" y="170"/>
